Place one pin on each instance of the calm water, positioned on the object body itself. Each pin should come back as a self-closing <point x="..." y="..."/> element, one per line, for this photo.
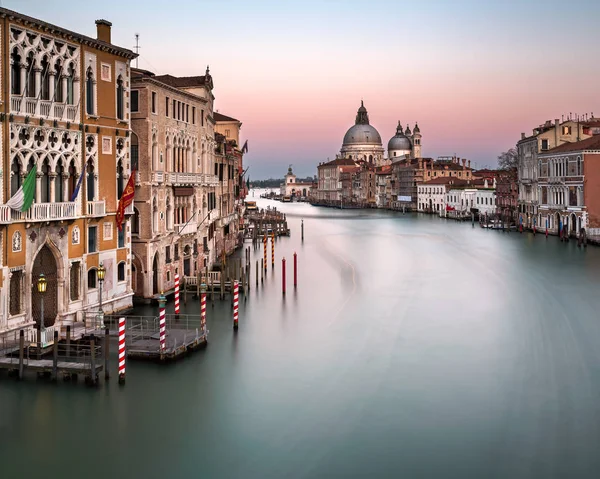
<point x="413" y="347"/>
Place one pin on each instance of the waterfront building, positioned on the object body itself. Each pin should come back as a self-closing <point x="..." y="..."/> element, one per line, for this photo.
<point x="507" y="194"/>
<point x="362" y="141"/>
<point x="292" y="188"/>
<point x="383" y="184"/>
<point x="66" y="117"/>
<point x="568" y="182"/>
<point x="545" y="137"/>
<point x="176" y="187"/>
<point x="330" y="176"/>
<point x="466" y="197"/>
<point x="228" y="127"/>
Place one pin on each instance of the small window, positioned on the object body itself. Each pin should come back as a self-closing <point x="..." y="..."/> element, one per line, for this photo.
<point x="121" y="237"/>
<point x="544" y="144"/>
<point x="187" y="113"/>
<point x="92" y="278"/>
<point x="566" y="130"/>
<point x="202" y="117"/>
<point x="167" y="254"/>
<point x="168" y="276"/>
<point x="227" y="133"/>
<point x="121" y="271"/>
<point x="135" y="101"/>
<point x="167" y="106"/>
<point x="153" y="102"/>
<point x="92" y="239"/>
<point x="193" y="115"/>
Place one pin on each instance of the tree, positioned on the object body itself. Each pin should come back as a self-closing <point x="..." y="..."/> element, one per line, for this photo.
<point x="508" y="160"/>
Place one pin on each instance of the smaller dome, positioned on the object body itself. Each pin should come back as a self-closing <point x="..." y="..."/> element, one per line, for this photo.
<point x="399" y="142"/>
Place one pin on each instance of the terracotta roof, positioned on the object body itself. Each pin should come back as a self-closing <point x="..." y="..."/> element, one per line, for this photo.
<point x="592" y="143"/>
<point x="339" y="162"/>
<point x="349" y="169"/>
<point x="220" y="117"/>
<point x="383" y="170"/>
<point x="182" y="82"/>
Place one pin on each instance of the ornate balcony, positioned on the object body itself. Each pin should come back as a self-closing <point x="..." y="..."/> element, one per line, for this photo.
<point x="158" y="177"/>
<point x="96" y="208"/>
<point x="210" y="180"/>
<point x="184" y="178"/>
<point x="187" y="229"/>
<point x="5" y="215"/>
<point x="42" y="212"/>
<point x="47" y="109"/>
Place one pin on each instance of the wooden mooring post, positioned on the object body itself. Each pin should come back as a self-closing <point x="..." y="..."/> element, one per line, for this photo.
<point x="55" y="357"/>
<point x="21" y="352"/>
<point x="256" y="273"/>
<point x="106" y="348"/>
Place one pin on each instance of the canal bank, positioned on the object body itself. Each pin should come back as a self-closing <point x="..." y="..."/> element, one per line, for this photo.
<point x="412" y="347"/>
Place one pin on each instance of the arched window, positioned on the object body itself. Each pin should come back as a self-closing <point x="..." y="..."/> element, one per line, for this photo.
<point x="58" y="183"/>
<point x="30" y="79"/>
<point x="120" y="179"/>
<point x="70" y="87"/>
<point x="89" y="92"/>
<point x="121" y="271"/>
<point x="91" y="181"/>
<point x="73" y="177"/>
<point x="155" y="216"/>
<point x="120" y="98"/>
<point x="45" y="193"/>
<point x="45" y="79"/>
<point x="154" y="153"/>
<point x="135" y="225"/>
<point x="15" y="73"/>
<point x="58" y="83"/>
<point x="92" y="278"/>
<point x="15" y="178"/>
<point x="135" y="151"/>
<point x="169" y="216"/>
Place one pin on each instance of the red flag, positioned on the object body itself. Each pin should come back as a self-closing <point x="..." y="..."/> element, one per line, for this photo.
<point x="126" y="200"/>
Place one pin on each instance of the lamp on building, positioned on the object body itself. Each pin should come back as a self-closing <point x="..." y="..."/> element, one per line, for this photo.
<point x="101" y="274"/>
<point x="42" y="285"/>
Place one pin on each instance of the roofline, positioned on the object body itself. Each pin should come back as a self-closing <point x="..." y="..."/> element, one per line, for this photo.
<point x="152" y="80"/>
<point x="66" y="34"/>
<point x="567" y="153"/>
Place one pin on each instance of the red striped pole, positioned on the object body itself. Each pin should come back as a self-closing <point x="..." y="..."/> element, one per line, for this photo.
<point x="265" y="251"/>
<point x="283" y="275"/>
<point x="176" y="295"/>
<point x="272" y="250"/>
<point x="162" y="323"/>
<point x="121" y="350"/>
<point x="236" y="290"/>
<point x="203" y="310"/>
<point x="295" y="270"/>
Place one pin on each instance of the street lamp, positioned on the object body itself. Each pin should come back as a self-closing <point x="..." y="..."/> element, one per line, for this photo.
<point x="42" y="284"/>
<point x="101" y="273"/>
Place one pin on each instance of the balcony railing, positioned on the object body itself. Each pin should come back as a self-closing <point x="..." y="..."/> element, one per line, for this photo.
<point x="5" y="214"/>
<point x="47" y="212"/>
<point x="44" y="108"/>
<point x="96" y="208"/>
<point x="187" y="229"/>
<point x="185" y="178"/>
<point x="210" y="180"/>
<point x="158" y="177"/>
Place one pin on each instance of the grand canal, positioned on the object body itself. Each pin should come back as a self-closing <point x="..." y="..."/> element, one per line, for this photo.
<point x="413" y="347"/>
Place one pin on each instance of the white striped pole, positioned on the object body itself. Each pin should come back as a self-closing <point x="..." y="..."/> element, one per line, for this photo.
<point x="236" y="290"/>
<point x="203" y="310"/>
<point x="162" y="323"/>
<point x="121" y="350"/>
<point x="177" y="296"/>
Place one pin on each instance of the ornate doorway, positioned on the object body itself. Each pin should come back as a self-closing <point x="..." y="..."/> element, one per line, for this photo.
<point x="45" y="263"/>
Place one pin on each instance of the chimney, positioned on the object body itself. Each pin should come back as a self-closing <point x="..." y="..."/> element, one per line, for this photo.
<point x="469" y="163"/>
<point x="103" y="30"/>
<point x="522" y="136"/>
<point x="464" y="162"/>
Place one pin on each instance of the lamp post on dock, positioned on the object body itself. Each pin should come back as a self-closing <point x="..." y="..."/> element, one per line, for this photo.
<point x="42" y="285"/>
<point x="101" y="273"/>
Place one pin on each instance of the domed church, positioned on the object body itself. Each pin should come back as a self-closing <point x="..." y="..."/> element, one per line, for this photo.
<point x="362" y="141"/>
<point x="405" y="144"/>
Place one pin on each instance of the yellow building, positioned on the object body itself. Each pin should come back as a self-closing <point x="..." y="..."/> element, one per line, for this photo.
<point x="65" y="112"/>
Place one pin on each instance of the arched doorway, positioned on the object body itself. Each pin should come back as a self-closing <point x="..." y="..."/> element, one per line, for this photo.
<point x="133" y="278"/>
<point x="155" y="274"/>
<point x="45" y="263"/>
<point x="573" y="225"/>
<point x="558" y="222"/>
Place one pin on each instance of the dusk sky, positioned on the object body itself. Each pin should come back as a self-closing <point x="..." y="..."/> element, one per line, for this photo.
<point x="474" y="74"/>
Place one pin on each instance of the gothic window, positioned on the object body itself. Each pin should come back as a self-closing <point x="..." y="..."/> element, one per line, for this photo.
<point x="120" y="179"/>
<point x="91" y="181"/>
<point x="120" y="98"/>
<point x="121" y="237"/>
<point x="72" y="179"/>
<point x="135" y="226"/>
<point x="154" y="216"/>
<point x="92" y="277"/>
<point x="134" y="149"/>
<point x="121" y="271"/>
<point x="58" y="183"/>
<point x="58" y="85"/>
<point x="154" y="152"/>
<point x="154" y="102"/>
<point x="30" y="78"/>
<point x="16" y="281"/>
<point x="15" y="73"/>
<point x="70" y="84"/>
<point x="135" y="101"/>
<point x="89" y="92"/>
<point x="74" y="276"/>
<point x="17" y="242"/>
<point x="45" y="79"/>
<point x="15" y="179"/>
<point x="45" y="183"/>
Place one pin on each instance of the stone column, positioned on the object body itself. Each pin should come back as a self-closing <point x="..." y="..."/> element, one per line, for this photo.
<point x="38" y="188"/>
<point x="53" y="178"/>
<point x="51" y="85"/>
<point x="38" y="81"/>
<point x="23" y="77"/>
<point x="63" y="80"/>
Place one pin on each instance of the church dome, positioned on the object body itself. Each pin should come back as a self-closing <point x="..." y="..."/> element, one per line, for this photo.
<point x="399" y="141"/>
<point x="362" y="133"/>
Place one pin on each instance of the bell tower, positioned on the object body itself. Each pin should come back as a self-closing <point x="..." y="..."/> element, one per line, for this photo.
<point x="416" y="141"/>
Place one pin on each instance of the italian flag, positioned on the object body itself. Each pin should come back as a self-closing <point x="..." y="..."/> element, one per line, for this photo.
<point x="22" y="199"/>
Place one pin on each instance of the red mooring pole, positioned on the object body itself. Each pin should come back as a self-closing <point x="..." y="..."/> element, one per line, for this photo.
<point x="236" y="289"/>
<point x="295" y="270"/>
<point x="121" y="350"/>
<point x="283" y="275"/>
